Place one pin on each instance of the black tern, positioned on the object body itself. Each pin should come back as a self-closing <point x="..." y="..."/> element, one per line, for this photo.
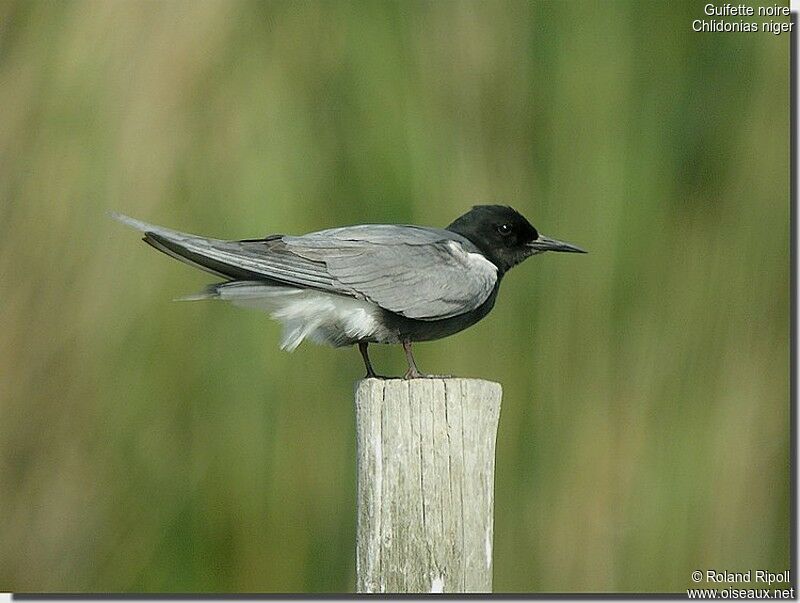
<point x="371" y="283"/>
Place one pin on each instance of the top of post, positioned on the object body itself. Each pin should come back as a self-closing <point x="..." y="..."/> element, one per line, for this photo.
<point x="454" y="384"/>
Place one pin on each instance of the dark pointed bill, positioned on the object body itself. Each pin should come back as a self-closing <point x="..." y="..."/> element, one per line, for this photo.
<point x="544" y="243"/>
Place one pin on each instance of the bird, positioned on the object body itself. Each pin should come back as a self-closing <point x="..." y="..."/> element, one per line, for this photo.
<point x="368" y="283"/>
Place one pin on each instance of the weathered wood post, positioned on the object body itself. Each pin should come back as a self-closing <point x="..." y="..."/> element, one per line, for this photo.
<point x="425" y="484"/>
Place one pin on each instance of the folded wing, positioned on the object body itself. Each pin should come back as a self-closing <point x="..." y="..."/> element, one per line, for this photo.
<point x="421" y="273"/>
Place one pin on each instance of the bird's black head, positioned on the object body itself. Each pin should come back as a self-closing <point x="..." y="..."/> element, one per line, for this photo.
<point x="504" y="236"/>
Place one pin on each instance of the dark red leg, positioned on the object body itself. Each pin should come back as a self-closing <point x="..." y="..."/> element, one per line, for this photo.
<point x="413" y="371"/>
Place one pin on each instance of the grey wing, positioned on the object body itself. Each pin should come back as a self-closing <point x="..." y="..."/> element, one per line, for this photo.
<point x="239" y="260"/>
<point x="422" y="273"/>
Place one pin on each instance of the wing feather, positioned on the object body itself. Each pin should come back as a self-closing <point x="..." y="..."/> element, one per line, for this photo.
<point x="427" y="274"/>
<point x="421" y="273"/>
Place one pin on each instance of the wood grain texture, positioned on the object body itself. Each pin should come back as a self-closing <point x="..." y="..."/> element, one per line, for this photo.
<point x="426" y="451"/>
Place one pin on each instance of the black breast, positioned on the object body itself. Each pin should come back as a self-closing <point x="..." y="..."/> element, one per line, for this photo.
<point x="412" y="329"/>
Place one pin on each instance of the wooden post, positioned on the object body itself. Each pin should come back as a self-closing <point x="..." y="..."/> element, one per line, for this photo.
<point x="425" y="484"/>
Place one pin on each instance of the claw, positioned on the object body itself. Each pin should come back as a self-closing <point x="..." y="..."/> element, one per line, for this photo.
<point x="414" y="374"/>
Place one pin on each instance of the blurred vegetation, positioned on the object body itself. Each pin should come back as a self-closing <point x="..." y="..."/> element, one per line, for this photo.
<point x="147" y="445"/>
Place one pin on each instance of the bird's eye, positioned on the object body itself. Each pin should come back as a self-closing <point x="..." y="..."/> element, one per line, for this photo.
<point x="504" y="229"/>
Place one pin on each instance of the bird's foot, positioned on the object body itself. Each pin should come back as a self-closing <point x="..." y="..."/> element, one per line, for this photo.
<point x="374" y="375"/>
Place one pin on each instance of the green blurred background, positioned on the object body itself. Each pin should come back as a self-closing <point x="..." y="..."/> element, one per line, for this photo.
<point x="147" y="445"/>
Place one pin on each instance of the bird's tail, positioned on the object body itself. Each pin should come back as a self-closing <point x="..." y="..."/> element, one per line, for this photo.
<point x="300" y="311"/>
<point x="253" y="294"/>
<point x="212" y="255"/>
